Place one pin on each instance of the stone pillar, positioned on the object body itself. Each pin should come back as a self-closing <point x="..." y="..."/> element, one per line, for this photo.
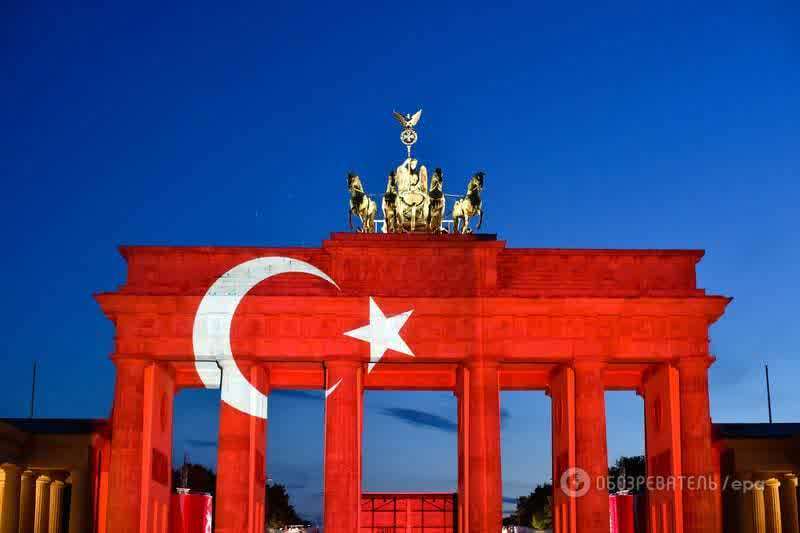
<point x="772" y="505"/>
<point x="342" y="462"/>
<point x="700" y="511"/>
<point x="241" y="458"/>
<point x="591" y="455"/>
<point x="789" y="516"/>
<point x="57" y="510"/>
<point x="480" y="408"/>
<point x="562" y="410"/>
<point x="9" y="497"/>
<point x="462" y="399"/>
<point x="752" y="511"/>
<point x="127" y="450"/>
<point x="27" y="501"/>
<point x="41" y="518"/>
<point x="79" y="497"/>
<point x="663" y="445"/>
<point x="141" y="447"/>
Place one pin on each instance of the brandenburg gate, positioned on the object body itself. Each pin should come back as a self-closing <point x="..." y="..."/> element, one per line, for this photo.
<point x="413" y="309"/>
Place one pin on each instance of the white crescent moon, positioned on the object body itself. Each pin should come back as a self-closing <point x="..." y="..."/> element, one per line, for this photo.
<point x="211" y="334"/>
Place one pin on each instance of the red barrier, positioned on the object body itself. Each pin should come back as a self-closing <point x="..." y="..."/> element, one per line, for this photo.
<point x="621" y="513"/>
<point x="408" y="512"/>
<point x="191" y="513"/>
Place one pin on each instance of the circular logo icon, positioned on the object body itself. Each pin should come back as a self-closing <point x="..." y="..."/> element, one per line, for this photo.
<point x="575" y="482"/>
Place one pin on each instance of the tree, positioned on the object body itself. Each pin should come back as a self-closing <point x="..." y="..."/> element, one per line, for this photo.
<point x="537" y="506"/>
<point x="628" y="473"/>
<point x="195" y="477"/>
<point x="543" y="518"/>
<point x="280" y="512"/>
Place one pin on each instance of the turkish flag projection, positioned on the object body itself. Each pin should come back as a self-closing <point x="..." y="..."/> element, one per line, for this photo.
<point x="453" y="312"/>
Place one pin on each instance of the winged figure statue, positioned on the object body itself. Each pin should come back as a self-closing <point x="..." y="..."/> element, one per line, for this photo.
<point x="407" y="121"/>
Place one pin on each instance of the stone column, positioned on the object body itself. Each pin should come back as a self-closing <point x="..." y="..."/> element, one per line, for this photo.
<point x="480" y="409"/>
<point x="772" y="505"/>
<point x="57" y="510"/>
<point x="562" y="410"/>
<point x="41" y="517"/>
<point x="141" y="446"/>
<point x="591" y="455"/>
<point x="462" y="399"/>
<point x="752" y="511"/>
<point x="241" y="457"/>
<point x="700" y="511"/>
<point x="127" y="450"/>
<point x="9" y="497"/>
<point x="789" y="515"/>
<point x="663" y="444"/>
<point x="342" y="462"/>
<point x="79" y="497"/>
<point x="27" y="501"/>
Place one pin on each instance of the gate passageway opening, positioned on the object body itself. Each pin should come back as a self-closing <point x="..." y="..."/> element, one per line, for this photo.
<point x="416" y="429"/>
<point x="625" y="429"/>
<point x="295" y="448"/>
<point x="526" y="435"/>
<point x="413" y="433"/>
<point x="195" y="438"/>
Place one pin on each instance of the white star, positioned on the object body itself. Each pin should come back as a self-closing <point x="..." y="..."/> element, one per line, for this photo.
<point x="382" y="334"/>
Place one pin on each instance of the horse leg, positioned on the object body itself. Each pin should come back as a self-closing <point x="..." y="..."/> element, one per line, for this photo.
<point x="480" y="220"/>
<point x="350" y="218"/>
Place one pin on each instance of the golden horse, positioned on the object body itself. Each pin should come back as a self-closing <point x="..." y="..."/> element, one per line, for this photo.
<point x="389" y="204"/>
<point x="361" y="205"/>
<point x="468" y="206"/>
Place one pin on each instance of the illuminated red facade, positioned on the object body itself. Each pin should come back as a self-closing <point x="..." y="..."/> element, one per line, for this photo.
<point x="486" y="318"/>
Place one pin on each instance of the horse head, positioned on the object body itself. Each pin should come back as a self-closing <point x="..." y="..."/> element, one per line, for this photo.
<point x="352" y="179"/>
<point x="478" y="177"/>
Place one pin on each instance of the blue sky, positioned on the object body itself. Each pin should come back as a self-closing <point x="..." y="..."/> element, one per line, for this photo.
<point x="634" y="125"/>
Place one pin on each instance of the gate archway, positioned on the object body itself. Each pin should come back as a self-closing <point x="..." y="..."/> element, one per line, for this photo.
<point x="485" y="318"/>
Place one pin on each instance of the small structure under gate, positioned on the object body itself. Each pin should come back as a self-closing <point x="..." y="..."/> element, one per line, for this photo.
<point x="415" y="512"/>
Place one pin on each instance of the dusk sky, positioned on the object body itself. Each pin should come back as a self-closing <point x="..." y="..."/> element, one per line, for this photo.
<point x="633" y="126"/>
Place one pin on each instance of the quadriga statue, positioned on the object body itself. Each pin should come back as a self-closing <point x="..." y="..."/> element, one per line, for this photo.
<point x="411" y="204"/>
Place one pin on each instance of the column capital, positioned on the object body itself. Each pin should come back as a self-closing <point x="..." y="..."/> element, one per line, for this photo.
<point x="772" y="483"/>
<point x="230" y="363"/>
<point x="694" y="362"/>
<point x="10" y="469"/>
<point x="480" y="363"/>
<point x="589" y="363"/>
<point x="58" y="475"/>
<point x="790" y="479"/>
<point x="130" y="361"/>
<point x="343" y="363"/>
